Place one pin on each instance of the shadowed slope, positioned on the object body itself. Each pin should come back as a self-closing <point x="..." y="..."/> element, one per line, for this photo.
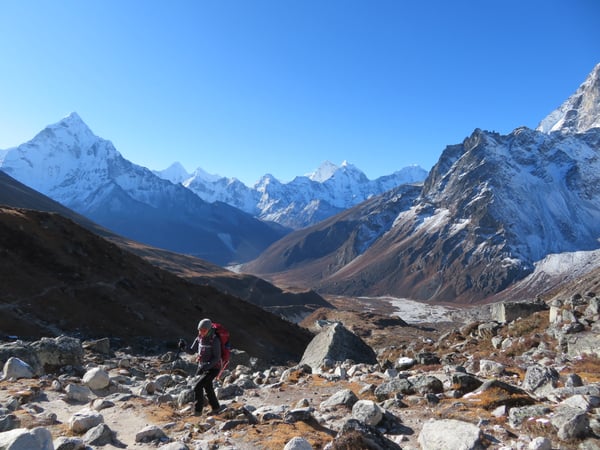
<point x="58" y="277"/>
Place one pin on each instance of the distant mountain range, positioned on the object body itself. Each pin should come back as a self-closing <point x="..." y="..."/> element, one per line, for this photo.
<point x="301" y="202"/>
<point x="489" y="212"/>
<point x="217" y="219"/>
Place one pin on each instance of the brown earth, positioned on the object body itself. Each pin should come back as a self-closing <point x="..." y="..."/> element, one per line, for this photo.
<point x="57" y="277"/>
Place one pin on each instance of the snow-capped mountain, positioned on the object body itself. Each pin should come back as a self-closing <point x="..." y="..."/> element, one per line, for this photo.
<point x="71" y="165"/>
<point x="492" y="208"/>
<point x="305" y="200"/>
<point x="175" y="173"/>
<point x="580" y="112"/>
<point x="324" y="172"/>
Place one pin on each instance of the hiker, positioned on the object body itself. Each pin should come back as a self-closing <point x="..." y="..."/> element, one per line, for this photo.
<point x="208" y="348"/>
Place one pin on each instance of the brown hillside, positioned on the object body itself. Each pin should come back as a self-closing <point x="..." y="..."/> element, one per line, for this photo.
<point x="57" y="277"/>
<point x="199" y="271"/>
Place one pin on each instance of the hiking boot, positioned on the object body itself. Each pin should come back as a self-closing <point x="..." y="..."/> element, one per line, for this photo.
<point x="215" y="411"/>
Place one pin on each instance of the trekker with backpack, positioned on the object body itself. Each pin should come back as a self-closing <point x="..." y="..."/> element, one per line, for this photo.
<point x="208" y="348"/>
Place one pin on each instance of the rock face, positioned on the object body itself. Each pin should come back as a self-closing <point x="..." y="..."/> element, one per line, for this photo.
<point x="579" y="112"/>
<point x="46" y="354"/>
<point x="337" y="343"/>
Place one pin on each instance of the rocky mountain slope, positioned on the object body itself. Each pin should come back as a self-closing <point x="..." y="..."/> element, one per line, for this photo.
<point x="490" y="209"/>
<point x="292" y="305"/>
<point x="578" y="113"/>
<point x="85" y="173"/>
<point x="309" y="256"/>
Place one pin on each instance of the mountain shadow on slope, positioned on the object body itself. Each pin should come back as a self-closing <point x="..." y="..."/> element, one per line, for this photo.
<point x="59" y="278"/>
<point x="246" y="287"/>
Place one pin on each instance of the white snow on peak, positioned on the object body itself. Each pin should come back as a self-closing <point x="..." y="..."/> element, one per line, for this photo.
<point x="203" y="175"/>
<point x="324" y="172"/>
<point x="68" y="162"/>
<point x="580" y="112"/>
<point x="175" y="173"/>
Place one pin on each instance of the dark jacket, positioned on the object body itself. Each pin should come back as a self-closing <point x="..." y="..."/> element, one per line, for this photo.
<point x="208" y="349"/>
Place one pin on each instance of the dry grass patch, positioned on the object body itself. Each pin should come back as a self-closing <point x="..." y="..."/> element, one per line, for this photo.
<point x="274" y="435"/>
<point x="536" y="323"/>
<point x="452" y="409"/>
<point x="493" y="397"/>
<point x="587" y="367"/>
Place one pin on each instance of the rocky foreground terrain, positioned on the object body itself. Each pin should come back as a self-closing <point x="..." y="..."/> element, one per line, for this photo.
<point x="512" y="376"/>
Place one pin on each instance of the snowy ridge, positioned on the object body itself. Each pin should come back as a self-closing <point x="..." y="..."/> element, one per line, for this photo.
<point x="305" y="200"/>
<point x="85" y="173"/>
<point x="70" y="164"/>
<point x="175" y="173"/>
<point x="548" y="185"/>
<point x="557" y="269"/>
<point x="578" y="113"/>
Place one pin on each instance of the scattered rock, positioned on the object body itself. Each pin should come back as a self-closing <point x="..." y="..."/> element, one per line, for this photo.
<point x="449" y="433"/>
<point x="15" y="368"/>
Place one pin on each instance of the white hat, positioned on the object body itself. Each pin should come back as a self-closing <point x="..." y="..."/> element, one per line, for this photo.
<point x="205" y="324"/>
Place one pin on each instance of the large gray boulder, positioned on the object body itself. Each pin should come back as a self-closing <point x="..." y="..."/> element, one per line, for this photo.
<point x="46" y="355"/>
<point x="24" y="439"/>
<point x="15" y="368"/>
<point x="450" y="434"/>
<point x="583" y="343"/>
<point x="337" y="343"/>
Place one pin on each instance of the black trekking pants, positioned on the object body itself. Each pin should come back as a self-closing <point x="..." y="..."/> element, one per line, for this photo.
<point x="206" y="385"/>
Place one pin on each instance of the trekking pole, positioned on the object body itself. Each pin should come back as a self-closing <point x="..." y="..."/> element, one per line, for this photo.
<point x="180" y="345"/>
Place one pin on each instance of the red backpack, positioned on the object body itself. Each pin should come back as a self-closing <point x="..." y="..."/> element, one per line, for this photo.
<point x="223" y="334"/>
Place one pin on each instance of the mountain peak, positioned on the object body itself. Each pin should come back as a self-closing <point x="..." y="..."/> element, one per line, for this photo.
<point x="71" y="129"/>
<point x="580" y="112"/>
<point x="72" y="121"/>
<point x="175" y="173"/>
<point x="323" y="172"/>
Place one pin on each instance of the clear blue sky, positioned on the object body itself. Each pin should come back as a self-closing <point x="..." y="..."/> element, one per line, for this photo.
<point x="247" y="87"/>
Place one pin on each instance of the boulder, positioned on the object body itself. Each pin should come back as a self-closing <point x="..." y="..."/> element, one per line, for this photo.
<point x="345" y="397"/>
<point x="392" y="387"/>
<point x="298" y="443"/>
<point x="538" y="376"/>
<point x="16" y="368"/>
<point x="570" y="423"/>
<point x="56" y="353"/>
<point x="96" y="378"/>
<point x="450" y="433"/>
<point x="82" y="421"/>
<point x="337" y="343"/>
<point x="99" y="435"/>
<point x="586" y="343"/>
<point x="174" y="446"/>
<point x="24" y="439"/>
<point x="509" y="311"/>
<point x="101" y="346"/>
<point x="368" y="412"/>
<point x="149" y="434"/>
<point x="9" y="422"/>
<point x="78" y="393"/>
<point x="69" y="443"/>
<point x="356" y="434"/>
